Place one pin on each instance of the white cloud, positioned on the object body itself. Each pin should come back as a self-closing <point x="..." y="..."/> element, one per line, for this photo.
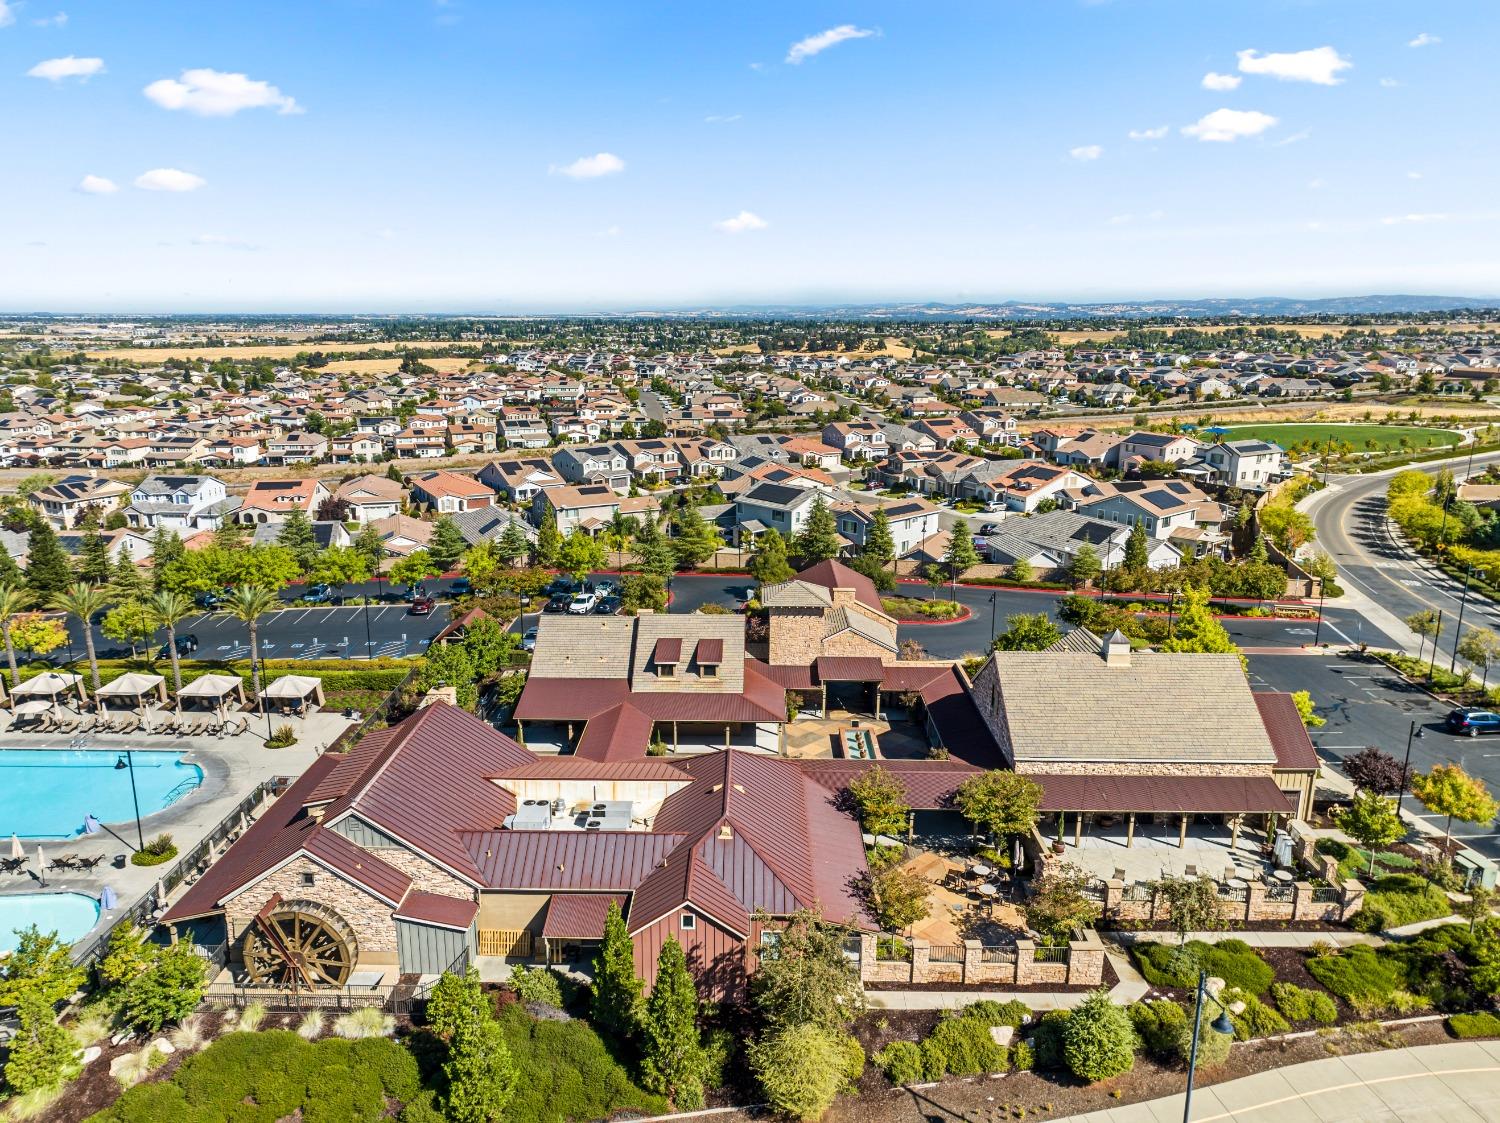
<point x="1230" y="124"/>
<point x="1149" y="134"/>
<point x="1424" y="40"/>
<point x="816" y="44"/>
<point x="590" y="167"/>
<point x="59" y="20"/>
<point x="97" y="185"/>
<point x="1295" y="138"/>
<point x="741" y="223"/>
<point x="7" y="15"/>
<point x="169" y="179"/>
<point x="1390" y="83"/>
<point x="1086" y="152"/>
<point x="610" y="232"/>
<point x="721" y="119"/>
<point x="213" y="93"/>
<point x="1216" y="81"/>
<point x="69" y="66"/>
<point x="1321" y="65"/>
<point x="1416" y="219"/>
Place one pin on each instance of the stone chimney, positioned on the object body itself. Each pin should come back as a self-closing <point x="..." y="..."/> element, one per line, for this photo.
<point x="1115" y="649"/>
<point x="844" y="596"/>
<point x="442" y="692"/>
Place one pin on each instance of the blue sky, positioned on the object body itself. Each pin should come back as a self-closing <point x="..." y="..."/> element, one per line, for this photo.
<point x="345" y="155"/>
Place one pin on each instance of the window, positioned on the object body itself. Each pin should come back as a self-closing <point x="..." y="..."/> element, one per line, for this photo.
<point x="665" y="670"/>
<point x="309" y="880"/>
<point x="687" y="922"/>
<point x="708" y="670"/>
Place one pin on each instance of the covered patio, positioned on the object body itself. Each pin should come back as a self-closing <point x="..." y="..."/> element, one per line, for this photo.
<point x="49" y="687"/>
<point x="293" y="694"/>
<point x="133" y="692"/>
<point x="212" y="694"/>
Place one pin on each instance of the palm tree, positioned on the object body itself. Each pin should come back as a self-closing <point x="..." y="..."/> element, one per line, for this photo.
<point x="167" y="610"/>
<point x="84" y="601"/>
<point x="13" y="601"/>
<point x="247" y="604"/>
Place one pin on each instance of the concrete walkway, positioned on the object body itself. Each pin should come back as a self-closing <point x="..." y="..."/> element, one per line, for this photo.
<point x="1288" y="939"/>
<point x="1454" y="1083"/>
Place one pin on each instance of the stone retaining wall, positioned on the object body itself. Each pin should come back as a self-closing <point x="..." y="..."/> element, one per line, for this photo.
<point x="1084" y="965"/>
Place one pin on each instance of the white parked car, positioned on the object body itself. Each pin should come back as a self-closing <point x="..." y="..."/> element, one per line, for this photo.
<point x="582" y="604"/>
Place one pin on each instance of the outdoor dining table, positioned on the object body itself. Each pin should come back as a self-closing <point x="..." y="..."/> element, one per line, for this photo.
<point x="979" y="869"/>
<point x="1283" y="875"/>
<point x="988" y="889"/>
<point x="1237" y="883"/>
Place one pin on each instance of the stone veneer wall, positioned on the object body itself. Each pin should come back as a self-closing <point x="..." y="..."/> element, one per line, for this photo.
<point x="1084" y="966"/>
<point x="1131" y="768"/>
<point x="796" y="635"/>
<point x="368" y="916"/>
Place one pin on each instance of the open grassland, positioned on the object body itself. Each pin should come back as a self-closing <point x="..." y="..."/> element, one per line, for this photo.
<point x="1362" y="437"/>
<point x="443" y="365"/>
<point x="253" y="351"/>
<point x="1306" y="331"/>
<point x="890" y="348"/>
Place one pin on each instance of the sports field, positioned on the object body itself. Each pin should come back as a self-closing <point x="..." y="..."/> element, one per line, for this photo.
<point x="1364" y="438"/>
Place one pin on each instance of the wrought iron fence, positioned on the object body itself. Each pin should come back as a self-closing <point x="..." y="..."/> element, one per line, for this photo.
<point x="1327" y="894"/>
<point x="997" y="953"/>
<point x="1233" y="893"/>
<point x="1052" y="955"/>
<point x="945" y="953"/>
<point x="1281" y="891"/>
<point x="892" y="948"/>
<point x="1138" y="891"/>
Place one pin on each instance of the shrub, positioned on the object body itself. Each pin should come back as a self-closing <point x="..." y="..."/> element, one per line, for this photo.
<point x="1357" y="973"/>
<point x="166" y="991"/>
<point x="1474" y="1025"/>
<point x="1256" y="1019"/>
<point x="1234" y="961"/>
<point x="854" y="1061"/>
<point x="1213" y="1046"/>
<point x="1021" y="1057"/>
<point x="536" y="984"/>
<point x="160" y="849"/>
<point x="1158" y="1025"/>
<point x="565" y="1071"/>
<point x="1302" y="1004"/>
<point x="282" y="737"/>
<point x="901" y="1061"/>
<point x="961" y="1046"/>
<point x="1047" y="1042"/>
<point x="1098" y="1041"/>
<point x="1397" y="899"/>
<point x="369" y="1021"/>
<point x="1321" y="948"/>
<point x="1013" y="1013"/>
<point x="252" y="1016"/>
<point x="801" y="1069"/>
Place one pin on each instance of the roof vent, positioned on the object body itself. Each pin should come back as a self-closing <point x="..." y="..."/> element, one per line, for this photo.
<point x="1116" y="649"/>
<point x="726" y="832"/>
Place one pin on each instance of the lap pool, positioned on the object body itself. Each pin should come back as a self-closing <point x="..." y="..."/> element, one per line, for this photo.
<point x="70" y="915"/>
<point x="45" y="793"/>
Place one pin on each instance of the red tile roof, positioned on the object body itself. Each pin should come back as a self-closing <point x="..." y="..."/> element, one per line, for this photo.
<point x="434" y="908"/>
<point x="579" y="916"/>
<point x="1192" y="794"/>
<point x="1294" y="748"/>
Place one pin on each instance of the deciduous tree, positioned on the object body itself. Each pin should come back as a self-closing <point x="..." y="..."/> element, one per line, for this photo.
<point x="1027" y="631"/>
<point x="1448" y="790"/>
<point x="999" y="802"/>
<point x="879" y="799"/>
<point x="1371" y="820"/>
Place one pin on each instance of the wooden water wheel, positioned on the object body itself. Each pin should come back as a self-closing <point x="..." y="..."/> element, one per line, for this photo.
<point x="299" y="944"/>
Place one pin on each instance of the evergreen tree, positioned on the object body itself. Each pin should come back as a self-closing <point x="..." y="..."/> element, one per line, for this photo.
<point x="1195" y="629"/>
<point x="393" y="474"/>
<point x="768" y="563"/>
<point x="10" y="572"/>
<point x="127" y="580"/>
<point x="1085" y="565"/>
<point x="47" y="568"/>
<point x="166" y="548"/>
<point x="447" y="544"/>
<point x="961" y="555"/>
<point x="297" y="535"/>
<point x="879" y="546"/>
<point x="547" y="540"/>
<point x="617" y="988"/>
<point x="41" y="1051"/>
<point x="652" y="550"/>
<point x="93" y="559"/>
<point x="1258" y="552"/>
<point x="480" y="1071"/>
<point x="512" y="546"/>
<point x="1137" y="553"/>
<point x="819" y="539"/>
<point x="368" y="543"/>
<point x="671" y="1054"/>
<point x="696" y="540"/>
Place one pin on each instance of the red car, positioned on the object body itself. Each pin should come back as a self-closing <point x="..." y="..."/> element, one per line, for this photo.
<point x="422" y="606"/>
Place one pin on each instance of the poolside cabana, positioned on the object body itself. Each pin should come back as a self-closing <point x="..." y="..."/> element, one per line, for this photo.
<point x="296" y="694"/>
<point x="50" y="685"/>
<point x="212" y="692"/>
<point x="135" y="691"/>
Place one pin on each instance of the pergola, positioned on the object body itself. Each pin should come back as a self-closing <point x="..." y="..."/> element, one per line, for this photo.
<point x="136" y="687"/>
<point x="49" y="685"/>
<point x="210" y="692"/>
<point x="293" y="692"/>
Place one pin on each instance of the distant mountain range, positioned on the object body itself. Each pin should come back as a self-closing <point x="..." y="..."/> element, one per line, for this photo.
<point x="1262" y="307"/>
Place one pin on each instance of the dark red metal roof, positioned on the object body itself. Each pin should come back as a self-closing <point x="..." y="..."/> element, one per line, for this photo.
<point x="619" y="733"/>
<point x="789" y="677"/>
<point x="668" y="651"/>
<point x="836" y="575"/>
<point x="578" y="768"/>
<point x="577" y="860"/>
<point x="1189" y="794"/>
<point x="1294" y="748"/>
<point x="357" y="864"/>
<point x="902" y="676"/>
<point x="961" y="728"/>
<point x="710" y="652"/>
<point x="580" y="699"/>
<point x="579" y="916"/>
<point x="434" y="908"/>
<point x="850" y="668"/>
<point x="929" y="784"/>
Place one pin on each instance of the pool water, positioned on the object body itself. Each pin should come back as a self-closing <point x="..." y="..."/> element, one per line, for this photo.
<point x="70" y="915"/>
<point x="45" y="793"/>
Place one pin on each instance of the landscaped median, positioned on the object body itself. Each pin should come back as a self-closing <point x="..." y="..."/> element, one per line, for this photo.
<point x="921" y="610"/>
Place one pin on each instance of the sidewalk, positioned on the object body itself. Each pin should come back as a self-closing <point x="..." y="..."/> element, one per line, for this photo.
<point x="1453" y="1083"/>
<point x="1287" y="939"/>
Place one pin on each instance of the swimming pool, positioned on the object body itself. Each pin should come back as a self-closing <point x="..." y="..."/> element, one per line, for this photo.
<point x="45" y="793"/>
<point x="70" y="915"/>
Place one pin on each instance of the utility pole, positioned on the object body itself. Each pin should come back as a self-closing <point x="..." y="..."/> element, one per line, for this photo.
<point x="1436" y="633"/>
<point x="1458" y="629"/>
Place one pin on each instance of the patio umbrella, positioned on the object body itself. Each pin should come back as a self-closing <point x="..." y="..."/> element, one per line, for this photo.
<point x="16" y="850"/>
<point x="41" y="865"/>
<point x="107" y="898"/>
<point x="90" y="825"/>
<point x="1216" y="430"/>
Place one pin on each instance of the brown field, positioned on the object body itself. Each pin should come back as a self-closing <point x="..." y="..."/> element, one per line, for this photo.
<point x="443" y="365"/>
<point x="251" y="351"/>
<point x="1456" y="413"/>
<point x="890" y="348"/>
<point x="1308" y="331"/>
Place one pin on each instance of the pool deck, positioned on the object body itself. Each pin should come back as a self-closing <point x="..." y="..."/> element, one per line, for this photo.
<point x="232" y="767"/>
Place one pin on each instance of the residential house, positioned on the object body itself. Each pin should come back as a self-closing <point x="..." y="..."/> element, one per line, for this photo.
<point x="594" y="464"/>
<point x="449" y="492"/>
<point x="912" y="521"/>
<point x="856" y="440"/>
<point x="296" y="448"/>
<point x="1250" y="465"/>
<point x="182" y="504"/>
<point x="518" y="480"/>
<point x="66" y="500"/>
<point x="1163" y="448"/>
<point x="371" y="498"/>
<point x="271" y="501"/>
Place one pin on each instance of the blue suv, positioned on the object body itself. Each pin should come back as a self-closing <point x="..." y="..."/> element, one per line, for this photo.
<point x="1472" y="723"/>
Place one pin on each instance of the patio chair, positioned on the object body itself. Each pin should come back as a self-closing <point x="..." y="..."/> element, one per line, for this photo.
<point x="1189" y="871"/>
<point x="1119" y="873"/>
<point x="12" y="865"/>
<point x="89" y="863"/>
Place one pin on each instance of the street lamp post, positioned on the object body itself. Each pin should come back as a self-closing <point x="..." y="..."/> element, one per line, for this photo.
<point x="1458" y="629"/>
<point x="1406" y="765"/>
<point x="1221" y="1024"/>
<point x="993" y="604"/>
<point x="127" y="761"/>
<point x="369" y="641"/>
<point x="1436" y="634"/>
<point x="1318" y="631"/>
<point x="262" y="700"/>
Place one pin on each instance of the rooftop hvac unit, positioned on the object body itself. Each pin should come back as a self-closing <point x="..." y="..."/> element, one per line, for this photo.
<point x="559" y="806"/>
<point x="532" y="815"/>
<point x="594" y="825"/>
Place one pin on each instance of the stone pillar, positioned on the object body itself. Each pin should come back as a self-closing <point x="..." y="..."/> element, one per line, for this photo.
<point x="521" y="732"/>
<point x="1354" y="899"/>
<point x="674" y="737"/>
<point x="1086" y="960"/>
<point x="1255" y="901"/>
<point x="973" y="960"/>
<point x="1114" y="893"/>
<point x="921" y="957"/>
<point x="1025" y="962"/>
<point x="1078" y="828"/>
<point x="726" y="736"/>
<point x="867" y="958"/>
<point x="1302" y="903"/>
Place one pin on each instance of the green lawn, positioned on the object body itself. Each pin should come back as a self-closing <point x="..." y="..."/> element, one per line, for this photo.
<point x="1384" y="437"/>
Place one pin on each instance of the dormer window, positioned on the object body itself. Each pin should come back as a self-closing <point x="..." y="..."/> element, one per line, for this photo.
<point x="666" y="655"/>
